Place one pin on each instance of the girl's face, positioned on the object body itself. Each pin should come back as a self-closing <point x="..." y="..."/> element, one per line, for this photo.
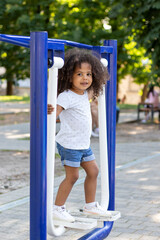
<point x="82" y="78"/>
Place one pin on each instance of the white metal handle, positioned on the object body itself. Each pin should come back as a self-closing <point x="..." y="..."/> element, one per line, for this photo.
<point x="51" y="131"/>
<point x="103" y="146"/>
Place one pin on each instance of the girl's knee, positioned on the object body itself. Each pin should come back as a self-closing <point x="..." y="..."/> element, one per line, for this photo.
<point x="72" y="174"/>
<point x="73" y="178"/>
<point x="94" y="171"/>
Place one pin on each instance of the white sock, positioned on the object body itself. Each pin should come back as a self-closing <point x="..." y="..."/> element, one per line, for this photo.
<point x="57" y="207"/>
<point x="90" y="205"/>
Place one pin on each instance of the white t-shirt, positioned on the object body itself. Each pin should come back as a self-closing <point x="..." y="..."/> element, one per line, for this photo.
<point x="76" y="122"/>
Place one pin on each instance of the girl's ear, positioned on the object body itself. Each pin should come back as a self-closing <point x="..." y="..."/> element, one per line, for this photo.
<point x="70" y="80"/>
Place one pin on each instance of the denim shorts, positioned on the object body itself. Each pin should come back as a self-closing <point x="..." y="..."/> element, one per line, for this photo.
<point x="73" y="157"/>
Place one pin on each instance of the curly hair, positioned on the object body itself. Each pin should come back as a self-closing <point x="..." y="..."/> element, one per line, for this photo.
<point x="76" y="57"/>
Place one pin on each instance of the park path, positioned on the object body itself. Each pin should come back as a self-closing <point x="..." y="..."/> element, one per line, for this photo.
<point x="137" y="191"/>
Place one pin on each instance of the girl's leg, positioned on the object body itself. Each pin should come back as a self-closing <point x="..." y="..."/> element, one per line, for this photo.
<point x="72" y="174"/>
<point x="91" y="207"/>
<point x="90" y="183"/>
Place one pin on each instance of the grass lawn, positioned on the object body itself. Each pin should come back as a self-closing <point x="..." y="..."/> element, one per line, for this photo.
<point x="26" y="99"/>
<point x="14" y="98"/>
<point x="127" y="106"/>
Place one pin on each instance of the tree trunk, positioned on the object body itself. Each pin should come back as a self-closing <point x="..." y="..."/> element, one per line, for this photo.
<point x="143" y="97"/>
<point x="9" y="90"/>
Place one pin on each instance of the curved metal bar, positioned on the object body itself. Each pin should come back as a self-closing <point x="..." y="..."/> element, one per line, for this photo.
<point x="25" y="41"/>
<point x="22" y="38"/>
<point x="102" y="146"/>
<point x="16" y="40"/>
<point x="71" y="43"/>
<point x="98" y="233"/>
<point x="51" y="132"/>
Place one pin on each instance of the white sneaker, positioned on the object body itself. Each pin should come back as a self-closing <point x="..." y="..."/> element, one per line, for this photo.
<point x="96" y="130"/>
<point x="93" y="134"/>
<point x="60" y="213"/>
<point x="97" y="210"/>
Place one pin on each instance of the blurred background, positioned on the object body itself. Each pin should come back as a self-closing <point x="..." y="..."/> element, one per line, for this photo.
<point x="135" y="25"/>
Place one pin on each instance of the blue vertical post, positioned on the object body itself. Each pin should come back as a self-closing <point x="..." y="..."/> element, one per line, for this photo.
<point x="111" y="119"/>
<point x="102" y="233"/>
<point x="38" y="129"/>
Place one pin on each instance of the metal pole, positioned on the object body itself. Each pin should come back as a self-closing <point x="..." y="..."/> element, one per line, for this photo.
<point x="38" y="129"/>
<point x="102" y="233"/>
<point x="111" y="119"/>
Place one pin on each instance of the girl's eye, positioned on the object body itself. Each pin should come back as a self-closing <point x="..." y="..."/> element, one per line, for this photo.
<point x="89" y="74"/>
<point x="79" y="74"/>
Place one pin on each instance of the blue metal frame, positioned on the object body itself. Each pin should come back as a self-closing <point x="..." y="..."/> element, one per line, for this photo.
<point x="102" y="233"/>
<point x="40" y="49"/>
<point x="38" y="142"/>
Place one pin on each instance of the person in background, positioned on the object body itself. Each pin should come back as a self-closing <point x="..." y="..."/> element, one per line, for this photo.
<point x="94" y="113"/>
<point x="123" y="99"/>
<point x="152" y="98"/>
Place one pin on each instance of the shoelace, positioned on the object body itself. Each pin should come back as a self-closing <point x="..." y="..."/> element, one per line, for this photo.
<point x="98" y="208"/>
<point x="62" y="209"/>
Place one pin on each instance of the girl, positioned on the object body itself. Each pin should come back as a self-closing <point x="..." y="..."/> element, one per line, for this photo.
<point x="82" y="73"/>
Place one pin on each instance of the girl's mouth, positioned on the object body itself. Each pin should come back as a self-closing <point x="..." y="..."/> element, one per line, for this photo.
<point x="84" y="83"/>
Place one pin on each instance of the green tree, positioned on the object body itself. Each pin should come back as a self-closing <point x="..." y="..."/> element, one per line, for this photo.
<point x="81" y="21"/>
<point x="142" y="21"/>
<point x="12" y="57"/>
<point x="85" y="21"/>
<point x="19" y="17"/>
<point x="91" y="22"/>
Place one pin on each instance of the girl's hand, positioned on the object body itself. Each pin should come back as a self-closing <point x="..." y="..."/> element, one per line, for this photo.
<point x="50" y="109"/>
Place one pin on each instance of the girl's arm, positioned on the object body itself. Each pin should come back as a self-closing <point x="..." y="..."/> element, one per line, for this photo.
<point x="90" y="95"/>
<point x="59" y="110"/>
<point x="50" y="109"/>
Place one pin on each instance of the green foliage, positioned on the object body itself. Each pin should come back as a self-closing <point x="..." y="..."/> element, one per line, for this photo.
<point x="19" y="17"/>
<point x="13" y="58"/>
<point x="142" y="20"/>
<point x="130" y="55"/>
<point x="81" y="21"/>
<point x="86" y="21"/>
<point x="140" y="68"/>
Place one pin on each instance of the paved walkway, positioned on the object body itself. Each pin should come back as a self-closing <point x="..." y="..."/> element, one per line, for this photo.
<point x="137" y="192"/>
<point x="13" y="107"/>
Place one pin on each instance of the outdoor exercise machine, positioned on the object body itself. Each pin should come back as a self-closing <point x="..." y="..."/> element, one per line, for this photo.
<point x="49" y="53"/>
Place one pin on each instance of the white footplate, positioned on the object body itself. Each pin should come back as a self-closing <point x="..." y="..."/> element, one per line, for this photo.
<point x="80" y="223"/>
<point x="111" y="215"/>
<point x="89" y="221"/>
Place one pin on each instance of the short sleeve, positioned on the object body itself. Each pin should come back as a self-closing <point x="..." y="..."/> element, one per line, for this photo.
<point x="63" y="100"/>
